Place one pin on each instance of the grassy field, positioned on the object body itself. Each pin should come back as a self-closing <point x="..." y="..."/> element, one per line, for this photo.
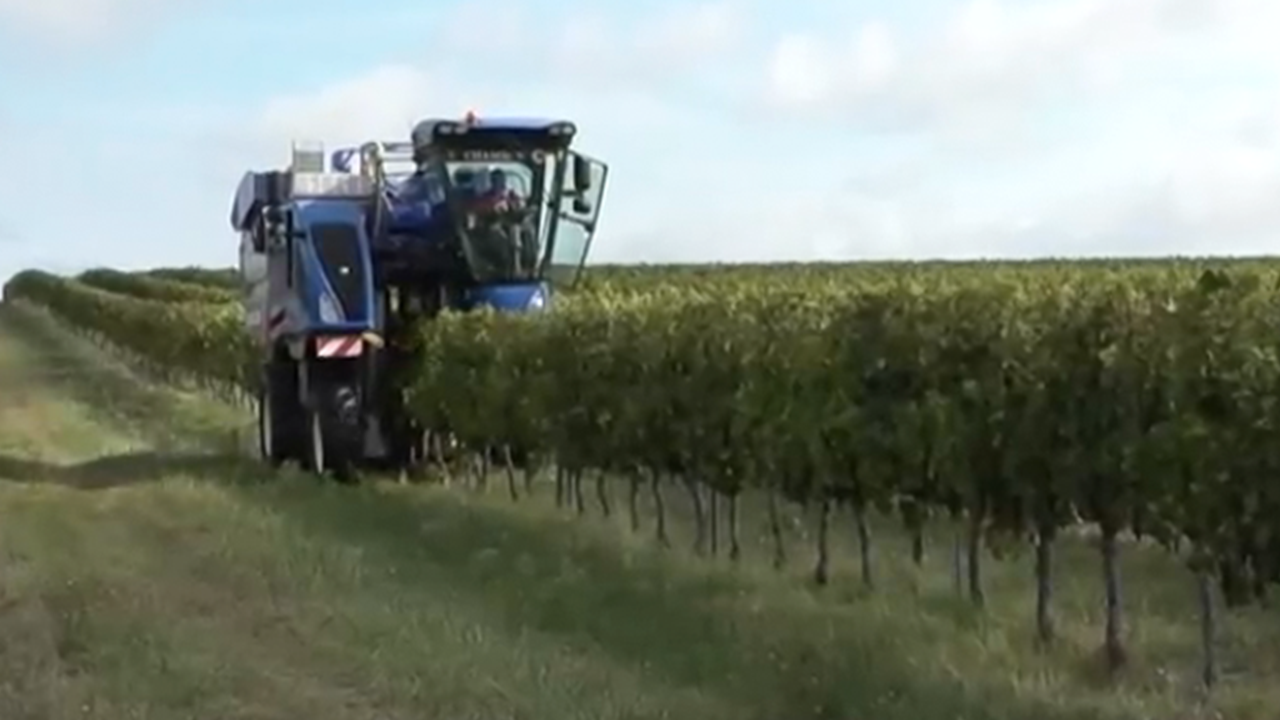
<point x="148" y="570"/>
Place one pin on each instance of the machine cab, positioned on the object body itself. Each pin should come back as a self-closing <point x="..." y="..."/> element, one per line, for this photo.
<point x="520" y="205"/>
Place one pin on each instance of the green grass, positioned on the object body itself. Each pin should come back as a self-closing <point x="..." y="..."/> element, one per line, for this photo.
<point x="147" y="571"/>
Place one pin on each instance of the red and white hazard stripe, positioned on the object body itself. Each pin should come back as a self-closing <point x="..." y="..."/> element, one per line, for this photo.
<point x="339" y="346"/>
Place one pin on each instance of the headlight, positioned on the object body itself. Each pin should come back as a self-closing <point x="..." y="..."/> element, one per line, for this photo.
<point x="537" y="301"/>
<point x="329" y="310"/>
<point x="564" y="128"/>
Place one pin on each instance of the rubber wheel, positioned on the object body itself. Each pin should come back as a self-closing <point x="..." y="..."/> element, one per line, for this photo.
<point x="325" y="453"/>
<point x="268" y="450"/>
<point x="279" y="430"/>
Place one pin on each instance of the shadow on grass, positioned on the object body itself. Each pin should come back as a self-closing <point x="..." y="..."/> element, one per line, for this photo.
<point x="783" y="656"/>
<point x="120" y="470"/>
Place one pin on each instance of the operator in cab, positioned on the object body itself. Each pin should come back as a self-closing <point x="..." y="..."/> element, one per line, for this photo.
<point x="498" y="196"/>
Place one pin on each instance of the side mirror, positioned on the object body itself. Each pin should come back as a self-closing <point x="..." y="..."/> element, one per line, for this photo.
<point x="581" y="174"/>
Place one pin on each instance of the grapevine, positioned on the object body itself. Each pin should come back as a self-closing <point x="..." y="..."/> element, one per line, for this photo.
<point x="1012" y="398"/>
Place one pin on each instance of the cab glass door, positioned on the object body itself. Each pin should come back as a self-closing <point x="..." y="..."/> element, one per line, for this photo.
<point x="578" y="209"/>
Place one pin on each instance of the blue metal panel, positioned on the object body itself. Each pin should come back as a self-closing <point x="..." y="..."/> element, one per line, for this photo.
<point x="329" y="210"/>
<point x="316" y="280"/>
<point x="524" y="297"/>
<point x="409" y="217"/>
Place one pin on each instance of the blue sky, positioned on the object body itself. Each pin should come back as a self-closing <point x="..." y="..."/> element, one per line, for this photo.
<point x="736" y="129"/>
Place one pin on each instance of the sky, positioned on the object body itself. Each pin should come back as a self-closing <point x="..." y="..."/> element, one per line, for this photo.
<point x="735" y="130"/>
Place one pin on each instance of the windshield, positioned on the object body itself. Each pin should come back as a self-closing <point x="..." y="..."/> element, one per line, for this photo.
<point x="479" y="180"/>
<point x="498" y="205"/>
<point x="515" y="213"/>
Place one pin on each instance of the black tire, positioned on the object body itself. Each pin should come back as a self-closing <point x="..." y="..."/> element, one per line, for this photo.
<point x="331" y="446"/>
<point x="280" y="430"/>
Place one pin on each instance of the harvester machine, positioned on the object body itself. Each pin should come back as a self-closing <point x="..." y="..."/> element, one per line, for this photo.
<point x="342" y="254"/>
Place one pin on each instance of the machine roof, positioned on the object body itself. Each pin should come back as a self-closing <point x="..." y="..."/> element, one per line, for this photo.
<point x="505" y="123"/>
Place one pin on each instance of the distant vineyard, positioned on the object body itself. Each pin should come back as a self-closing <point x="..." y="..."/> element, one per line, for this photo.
<point x="194" y="340"/>
<point x="154" y="287"/>
<point x="1011" y="400"/>
<point x="228" y="278"/>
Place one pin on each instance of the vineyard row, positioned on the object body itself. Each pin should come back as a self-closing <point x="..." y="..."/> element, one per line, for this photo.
<point x="1015" y="401"/>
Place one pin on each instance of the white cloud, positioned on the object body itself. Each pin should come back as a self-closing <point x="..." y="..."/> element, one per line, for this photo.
<point x="996" y="58"/>
<point x="1202" y="191"/>
<point x="383" y="102"/>
<point x="801" y="73"/>
<point x="63" y="17"/>
<point x="1196" y="184"/>
<point x="691" y="34"/>
<point x="75" y="21"/>
<point x="506" y="25"/>
<point x="1054" y="127"/>
<point x="594" y="51"/>
<point x="875" y="57"/>
<point x="1149" y="178"/>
